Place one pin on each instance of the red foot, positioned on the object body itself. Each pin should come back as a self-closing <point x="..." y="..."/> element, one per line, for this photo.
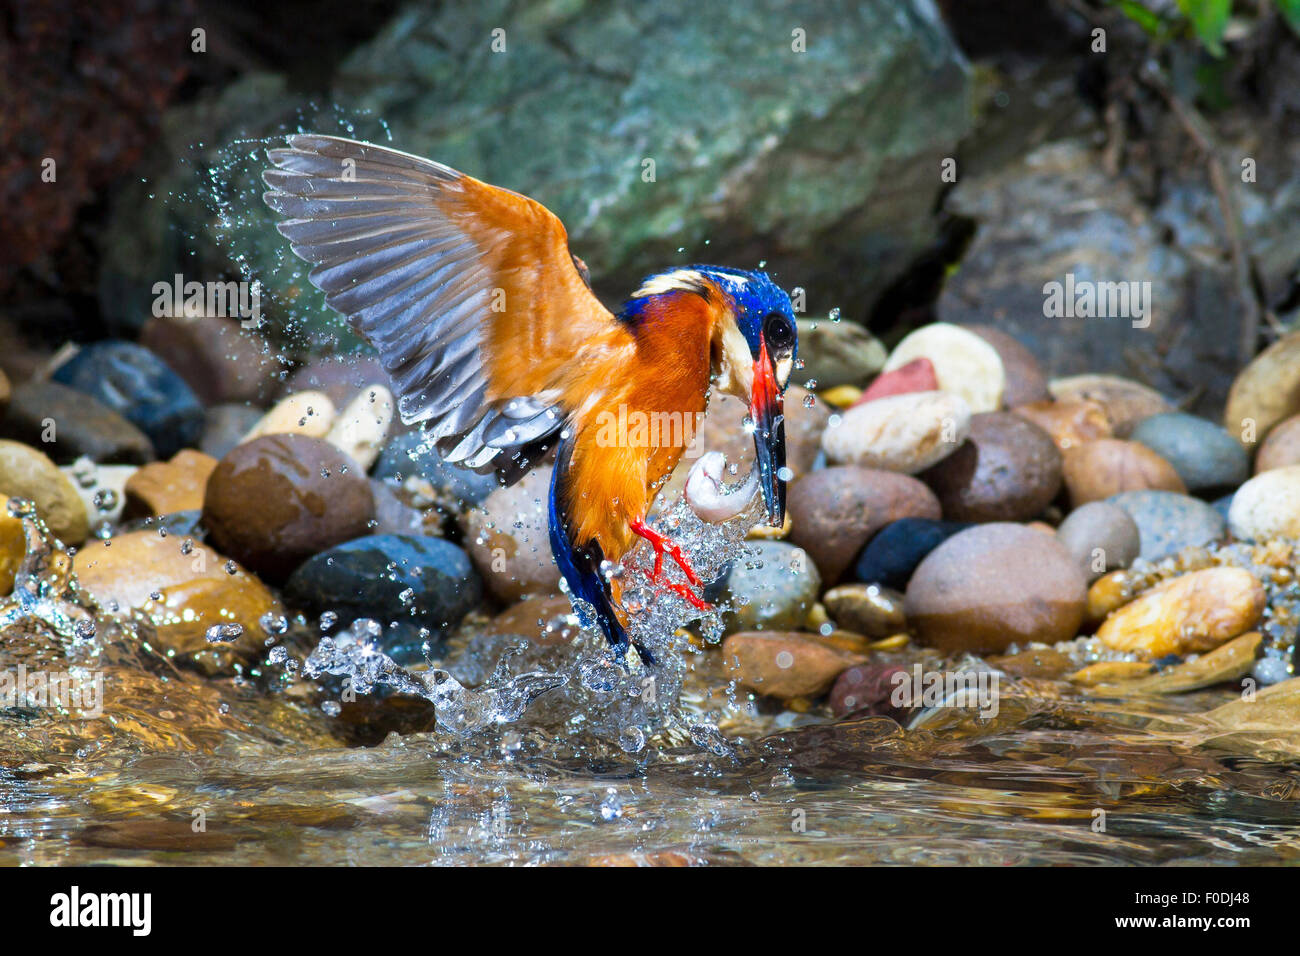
<point x="662" y="544"/>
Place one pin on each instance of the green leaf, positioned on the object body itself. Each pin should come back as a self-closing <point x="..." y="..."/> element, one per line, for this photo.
<point x="1209" y="20"/>
<point x="1148" y="20"/>
<point x="1290" y="10"/>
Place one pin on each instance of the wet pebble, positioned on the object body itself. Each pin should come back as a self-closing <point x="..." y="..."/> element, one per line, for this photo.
<point x="13" y="546"/>
<point x="777" y="581"/>
<point x="1267" y="506"/>
<point x="1101" y="537"/>
<point x="1126" y="402"/>
<point x="67" y="424"/>
<point x="903" y="433"/>
<point x="868" y="689"/>
<point x="508" y="540"/>
<point x="994" y="585"/>
<point x="893" y="554"/>
<point x="1266" y="392"/>
<point x="1099" y="469"/>
<point x="410" y="453"/>
<point x="964" y="363"/>
<point x="361" y="429"/>
<point x="1168" y="522"/>
<point x="1282" y="446"/>
<point x="339" y="377"/>
<point x="273" y="502"/>
<point x="395" y="515"/>
<point x="166" y="486"/>
<point x="784" y="664"/>
<point x="1007" y="470"/>
<point x="417" y="580"/>
<point x="217" y="358"/>
<point x="1025" y="380"/>
<point x="132" y="381"/>
<point x="835" y="511"/>
<point x="28" y="473"/>
<point x="547" y="621"/>
<point x="224" y="427"/>
<point x="304" y="413"/>
<point x="838" y="353"/>
<point x="184" y="587"/>
<point x="1193" y="612"/>
<point x="868" y="609"/>
<point x="1205" y="456"/>
<point x="1071" y="423"/>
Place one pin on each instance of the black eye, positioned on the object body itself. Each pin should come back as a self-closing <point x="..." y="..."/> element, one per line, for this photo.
<point x="779" y="331"/>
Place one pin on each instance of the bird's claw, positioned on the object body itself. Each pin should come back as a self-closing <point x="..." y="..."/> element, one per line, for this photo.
<point x="663" y="544"/>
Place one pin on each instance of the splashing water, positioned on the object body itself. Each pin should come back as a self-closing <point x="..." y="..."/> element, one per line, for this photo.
<point x="44" y="587"/>
<point x="459" y="710"/>
<point x="588" y="689"/>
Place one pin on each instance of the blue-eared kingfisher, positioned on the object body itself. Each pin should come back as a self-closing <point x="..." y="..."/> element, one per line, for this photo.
<point x="489" y="330"/>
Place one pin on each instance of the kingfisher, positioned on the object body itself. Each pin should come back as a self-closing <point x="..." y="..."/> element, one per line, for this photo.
<point x="494" y="340"/>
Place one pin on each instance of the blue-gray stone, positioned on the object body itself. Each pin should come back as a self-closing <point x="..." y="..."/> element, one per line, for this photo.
<point x="779" y="582"/>
<point x="413" y="454"/>
<point x="414" y="580"/>
<point x="139" y="386"/>
<point x="1169" y="522"/>
<point x="894" y="551"/>
<point x="1205" y="456"/>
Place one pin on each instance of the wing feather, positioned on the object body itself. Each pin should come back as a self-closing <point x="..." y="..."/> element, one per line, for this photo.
<point x="467" y="291"/>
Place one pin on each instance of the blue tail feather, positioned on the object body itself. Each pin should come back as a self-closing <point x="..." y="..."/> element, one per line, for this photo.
<point x="580" y="565"/>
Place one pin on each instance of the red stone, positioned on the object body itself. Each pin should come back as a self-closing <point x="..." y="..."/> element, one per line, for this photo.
<point x="916" y="376"/>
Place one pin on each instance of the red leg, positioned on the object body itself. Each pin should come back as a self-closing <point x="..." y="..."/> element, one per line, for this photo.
<point x="662" y="543"/>
<point x="682" y="590"/>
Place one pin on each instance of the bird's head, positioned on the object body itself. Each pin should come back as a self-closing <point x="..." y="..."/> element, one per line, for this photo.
<point x="753" y="350"/>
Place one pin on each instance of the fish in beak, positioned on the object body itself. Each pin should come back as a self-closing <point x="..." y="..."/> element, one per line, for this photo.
<point x="767" y="410"/>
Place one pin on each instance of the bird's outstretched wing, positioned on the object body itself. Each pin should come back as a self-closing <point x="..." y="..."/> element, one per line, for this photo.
<point x="468" y="291"/>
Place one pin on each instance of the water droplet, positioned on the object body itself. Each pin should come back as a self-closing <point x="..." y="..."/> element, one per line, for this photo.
<point x="611" y="808"/>
<point x="224" y="633"/>
<point x="632" y="739"/>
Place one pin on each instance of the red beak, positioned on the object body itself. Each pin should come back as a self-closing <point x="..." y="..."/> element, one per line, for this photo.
<point x="767" y="409"/>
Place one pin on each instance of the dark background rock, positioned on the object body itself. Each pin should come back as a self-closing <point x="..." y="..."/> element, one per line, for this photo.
<point x="135" y="383"/>
<point x="821" y="163"/>
<point x="81" y="426"/>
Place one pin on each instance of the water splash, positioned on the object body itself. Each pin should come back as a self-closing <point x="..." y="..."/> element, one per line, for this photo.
<point x="459" y="710"/>
<point x="45" y="589"/>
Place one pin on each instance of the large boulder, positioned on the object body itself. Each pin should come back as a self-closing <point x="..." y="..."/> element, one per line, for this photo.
<point x="807" y="139"/>
<point x="1055" y="212"/>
